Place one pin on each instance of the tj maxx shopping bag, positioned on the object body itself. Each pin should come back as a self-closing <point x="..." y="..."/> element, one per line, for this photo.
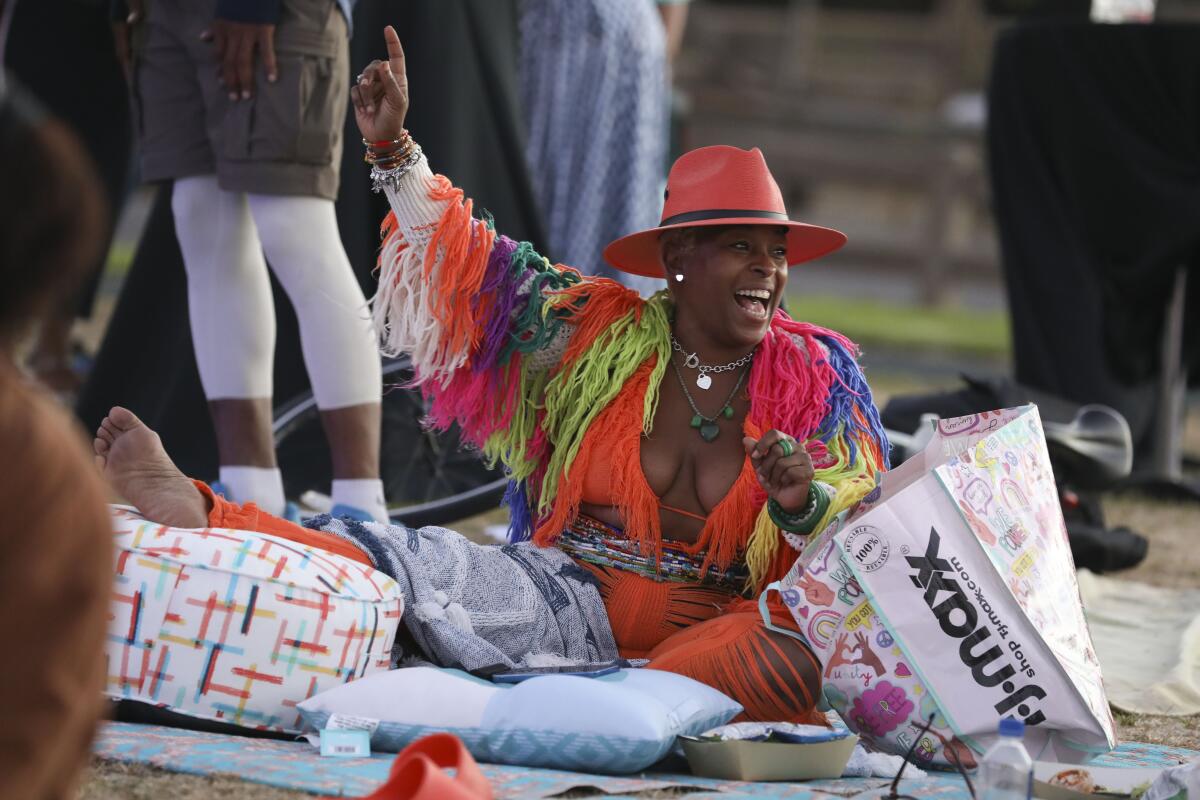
<point x="950" y="593"/>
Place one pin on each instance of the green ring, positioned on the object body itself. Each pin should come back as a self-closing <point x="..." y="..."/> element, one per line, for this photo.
<point x="786" y="446"/>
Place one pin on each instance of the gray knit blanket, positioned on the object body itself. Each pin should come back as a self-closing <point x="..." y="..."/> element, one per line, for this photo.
<point x="485" y="608"/>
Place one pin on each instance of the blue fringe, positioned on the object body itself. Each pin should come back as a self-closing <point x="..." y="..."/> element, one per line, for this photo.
<point x="851" y="390"/>
<point x="520" y="514"/>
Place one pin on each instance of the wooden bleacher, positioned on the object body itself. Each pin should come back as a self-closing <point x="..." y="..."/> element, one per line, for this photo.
<point x="860" y="99"/>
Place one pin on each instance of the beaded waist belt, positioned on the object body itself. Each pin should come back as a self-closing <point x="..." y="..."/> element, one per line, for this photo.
<point x="590" y="540"/>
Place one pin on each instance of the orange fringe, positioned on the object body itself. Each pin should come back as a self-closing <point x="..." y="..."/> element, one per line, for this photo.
<point x="618" y="428"/>
<point x="606" y="301"/>
<point x="644" y="612"/>
<point x="466" y="243"/>
<point x="731" y="522"/>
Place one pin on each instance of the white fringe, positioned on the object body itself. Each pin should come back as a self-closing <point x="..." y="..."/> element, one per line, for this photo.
<point x="399" y="309"/>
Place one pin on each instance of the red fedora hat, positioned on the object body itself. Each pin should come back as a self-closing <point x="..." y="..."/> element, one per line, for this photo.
<point x="720" y="185"/>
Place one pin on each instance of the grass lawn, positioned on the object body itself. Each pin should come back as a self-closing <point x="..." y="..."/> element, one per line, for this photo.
<point x="962" y="330"/>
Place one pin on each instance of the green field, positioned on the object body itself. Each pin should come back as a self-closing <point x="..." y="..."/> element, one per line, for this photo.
<point x="952" y="328"/>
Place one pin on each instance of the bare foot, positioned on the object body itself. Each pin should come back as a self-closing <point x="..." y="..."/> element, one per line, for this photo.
<point x="135" y="463"/>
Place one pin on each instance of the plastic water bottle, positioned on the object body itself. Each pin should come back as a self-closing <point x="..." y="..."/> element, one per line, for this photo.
<point x="1006" y="771"/>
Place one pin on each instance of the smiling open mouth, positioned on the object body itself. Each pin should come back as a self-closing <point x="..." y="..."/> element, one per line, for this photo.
<point x="753" y="301"/>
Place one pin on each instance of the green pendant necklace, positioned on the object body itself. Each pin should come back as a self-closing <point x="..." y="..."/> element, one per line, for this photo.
<point x="708" y="427"/>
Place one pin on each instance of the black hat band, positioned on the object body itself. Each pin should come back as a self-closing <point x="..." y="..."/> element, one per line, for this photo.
<point x="722" y="213"/>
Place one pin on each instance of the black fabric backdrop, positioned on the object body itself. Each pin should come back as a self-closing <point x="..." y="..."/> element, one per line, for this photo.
<point x="462" y="61"/>
<point x="50" y="44"/>
<point x="1094" y="148"/>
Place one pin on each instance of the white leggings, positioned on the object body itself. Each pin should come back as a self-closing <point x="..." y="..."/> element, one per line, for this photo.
<point x="223" y="236"/>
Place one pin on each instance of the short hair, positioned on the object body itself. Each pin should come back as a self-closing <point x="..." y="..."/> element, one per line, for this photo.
<point x="52" y="212"/>
<point x="678" y="244"/>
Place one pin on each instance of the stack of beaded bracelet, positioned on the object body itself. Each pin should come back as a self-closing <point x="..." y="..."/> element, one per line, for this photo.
<point x="391" y="159"/>
<point x="804" y="521"/>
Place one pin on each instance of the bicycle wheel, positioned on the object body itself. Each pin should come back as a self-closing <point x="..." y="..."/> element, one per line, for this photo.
<point x="428" y="477"/>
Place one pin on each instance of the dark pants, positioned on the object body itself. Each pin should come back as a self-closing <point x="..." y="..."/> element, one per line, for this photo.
<point x="1094" y="135"/>
<point x="51" y="45"/>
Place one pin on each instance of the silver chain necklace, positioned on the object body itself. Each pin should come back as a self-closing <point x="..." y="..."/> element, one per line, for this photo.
<point x="692" y="361"/>
<point x="707" y="426"/>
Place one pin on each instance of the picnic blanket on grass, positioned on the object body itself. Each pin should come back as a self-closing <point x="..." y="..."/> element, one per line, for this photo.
<point x="297" y="765"/>
<point x="1148" y="641"/>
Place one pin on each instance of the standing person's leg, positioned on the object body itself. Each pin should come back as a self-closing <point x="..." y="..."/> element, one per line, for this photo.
<point x="300" y="236"/>
<point x="177" y="106"/>
<point x="594" y="85"/>
<point x="283" y="149"/>
<point x="233" y="333"/>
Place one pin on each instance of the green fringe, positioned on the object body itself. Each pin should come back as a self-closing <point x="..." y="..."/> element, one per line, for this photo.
<point x="571" y="398"/>
<point x="538" y="322"/>
<point x="510" y="446"/>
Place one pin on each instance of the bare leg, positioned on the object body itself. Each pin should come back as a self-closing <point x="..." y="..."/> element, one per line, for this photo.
<point x="353" y="434"/>
<point x="243" y="429"/>
<point x="139" y="469"/>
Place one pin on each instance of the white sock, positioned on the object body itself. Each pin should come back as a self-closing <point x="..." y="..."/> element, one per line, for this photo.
<point x="261" y="485"/>
<point x="362" y="493"/>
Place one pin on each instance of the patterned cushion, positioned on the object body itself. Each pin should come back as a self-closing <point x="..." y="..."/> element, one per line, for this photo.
<point x="616" y="723"/>
<point x="240" y="627"/>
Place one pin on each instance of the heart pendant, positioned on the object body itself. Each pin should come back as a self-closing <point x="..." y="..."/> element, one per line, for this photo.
<point x="703" y="381"/>
<point x="709" y="431"/>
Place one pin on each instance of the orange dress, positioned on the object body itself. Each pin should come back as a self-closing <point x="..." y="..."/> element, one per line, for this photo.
<point x="702" y="629"/>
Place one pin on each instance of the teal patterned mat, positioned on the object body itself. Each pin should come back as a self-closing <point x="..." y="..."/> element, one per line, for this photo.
<point x="296" y="765"/>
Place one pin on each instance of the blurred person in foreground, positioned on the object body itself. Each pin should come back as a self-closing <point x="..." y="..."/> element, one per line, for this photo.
<point x="241" y="103"/>
<point x="56" y="548"/>
<point x="668" y="456"/>
<point x="97" y="111"/>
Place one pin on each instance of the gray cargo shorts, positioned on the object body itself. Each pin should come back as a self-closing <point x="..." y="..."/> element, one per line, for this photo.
<point x="286" y="140"/>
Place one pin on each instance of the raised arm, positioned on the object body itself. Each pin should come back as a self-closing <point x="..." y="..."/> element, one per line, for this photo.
<point x="488" y="322"/>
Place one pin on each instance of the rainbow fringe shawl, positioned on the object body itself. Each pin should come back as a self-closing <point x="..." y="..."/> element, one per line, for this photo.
<point x="539" y="368"/>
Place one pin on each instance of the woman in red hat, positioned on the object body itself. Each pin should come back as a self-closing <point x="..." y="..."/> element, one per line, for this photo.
<point x="680" y="448"/>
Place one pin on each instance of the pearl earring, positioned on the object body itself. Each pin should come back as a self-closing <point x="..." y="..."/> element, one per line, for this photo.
<point x="679" y="277"/>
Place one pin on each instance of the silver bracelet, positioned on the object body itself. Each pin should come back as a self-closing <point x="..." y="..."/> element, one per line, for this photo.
<point x="390" y="178"/>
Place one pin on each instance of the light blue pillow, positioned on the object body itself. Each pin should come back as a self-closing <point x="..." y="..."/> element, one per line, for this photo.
<point x="617" y="723"/>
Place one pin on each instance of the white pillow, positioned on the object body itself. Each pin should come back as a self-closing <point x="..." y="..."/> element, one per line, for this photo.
<point x="617" y="723"/>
